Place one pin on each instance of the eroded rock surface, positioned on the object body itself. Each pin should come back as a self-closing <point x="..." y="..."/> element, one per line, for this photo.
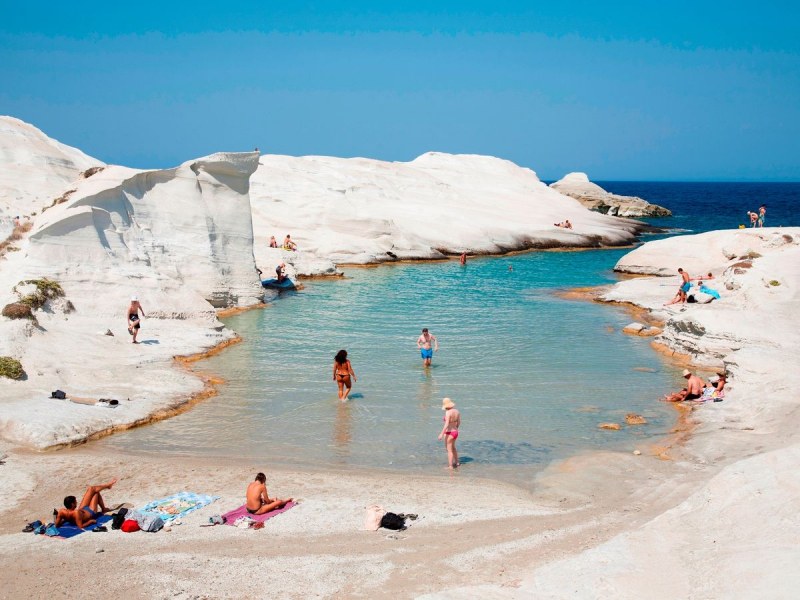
<point x="593" y="197"/>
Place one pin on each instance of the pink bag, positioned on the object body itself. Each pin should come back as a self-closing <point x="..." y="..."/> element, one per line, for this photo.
<point x="372" y="520"/>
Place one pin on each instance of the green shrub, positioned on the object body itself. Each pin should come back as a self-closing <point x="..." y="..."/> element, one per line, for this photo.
<point x="774" y="282"/>
<point x="17" y="310"/>
<point x="46" y="289"/>
<point x="11" y="368"/>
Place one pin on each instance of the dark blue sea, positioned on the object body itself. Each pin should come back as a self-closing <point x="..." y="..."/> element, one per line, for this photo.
<point x="698" y="207"/>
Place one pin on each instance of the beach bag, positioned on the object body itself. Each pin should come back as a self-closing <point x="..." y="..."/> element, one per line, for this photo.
<point x="118" y="519"/>
<point x="372" y="520"/>
<point x="59" y="395"/>
<point x="130" y="526"/>
<point x="150" y="522"/>
<point x="393" y="521"/>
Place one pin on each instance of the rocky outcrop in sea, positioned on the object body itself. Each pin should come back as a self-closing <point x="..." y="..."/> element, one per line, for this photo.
<point x="593" y="197"/>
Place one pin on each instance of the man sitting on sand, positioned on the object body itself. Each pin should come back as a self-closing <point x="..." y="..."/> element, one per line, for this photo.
<point x="258" y="501"/>
<point x="692" y="391"/>
<point x="85" y="513"/>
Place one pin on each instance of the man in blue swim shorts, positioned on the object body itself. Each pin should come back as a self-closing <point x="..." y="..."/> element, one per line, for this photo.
<point x="426" y="343"/>
<point x="686" y="285"/>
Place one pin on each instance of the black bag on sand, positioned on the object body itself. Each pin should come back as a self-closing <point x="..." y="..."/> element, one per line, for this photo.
<point x="58" y="395"/>
<point x="119" y="518"/>
<point x="393" y="521"/>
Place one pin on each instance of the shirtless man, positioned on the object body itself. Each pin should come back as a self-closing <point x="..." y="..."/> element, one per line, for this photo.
<point x="85" y="513"/>
<point x="258" y="501"/>
<point x="424" y="344"/>
<point x="134" y="323"/>
<point x="686" y="284"/>
<point x="692" y="391"/>
<point x="288" y="244"/>
<point x="280" y="271"/>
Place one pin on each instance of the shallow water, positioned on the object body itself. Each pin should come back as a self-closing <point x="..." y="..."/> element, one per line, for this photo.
<point x="532" y="374"/>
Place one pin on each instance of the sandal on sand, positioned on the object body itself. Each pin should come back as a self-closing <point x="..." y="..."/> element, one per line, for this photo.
<point x="31" y="526"/>
<point x="100" y="528"/>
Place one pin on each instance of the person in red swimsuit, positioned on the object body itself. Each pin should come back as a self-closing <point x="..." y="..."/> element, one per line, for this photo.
<point x="452" y="421"/>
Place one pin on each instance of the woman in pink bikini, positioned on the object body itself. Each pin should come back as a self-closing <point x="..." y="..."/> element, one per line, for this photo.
<point x="452" y="421"/>
<point x="342" y="371"/>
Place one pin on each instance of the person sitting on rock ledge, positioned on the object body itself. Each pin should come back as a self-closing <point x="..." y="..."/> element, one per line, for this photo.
<point x="258" y="501"/>
<point x="692" y="391"/>
<point x="718" y="381"/>
<point x="273" y="243"/>
<point x="280" y="271"/>
<point x="85" y="513"/>
<point x="288" y="244"/>
<point x="703" y="288"/>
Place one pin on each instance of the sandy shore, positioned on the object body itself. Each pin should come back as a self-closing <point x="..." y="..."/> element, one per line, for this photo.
<point x="471" y="531"/>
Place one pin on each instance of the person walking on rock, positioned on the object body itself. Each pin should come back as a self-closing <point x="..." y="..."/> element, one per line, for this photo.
<point x="134" y="323"/>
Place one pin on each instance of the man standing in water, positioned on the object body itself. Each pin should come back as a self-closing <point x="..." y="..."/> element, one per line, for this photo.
<point x="426" y="344"/>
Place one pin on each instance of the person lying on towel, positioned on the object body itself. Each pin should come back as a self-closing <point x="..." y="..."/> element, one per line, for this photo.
<point x="258" y="501"/>
<point x="85" y="513"/>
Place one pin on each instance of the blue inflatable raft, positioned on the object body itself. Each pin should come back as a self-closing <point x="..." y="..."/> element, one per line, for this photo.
<point x="274" y="284"/>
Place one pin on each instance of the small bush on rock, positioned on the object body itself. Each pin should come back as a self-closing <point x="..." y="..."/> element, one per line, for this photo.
<point x="774" y="282"/>
<point x="46" y="289"/>
<point x="17" y="310"/>
<point x="11" y="368"/>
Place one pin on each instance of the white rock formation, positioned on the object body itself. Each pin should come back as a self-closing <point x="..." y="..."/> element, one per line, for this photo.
<point x="35" y="169"/>
<point x="181" y="239"/>
<point x="592" y="196"/>
<point x="365" y="211"/>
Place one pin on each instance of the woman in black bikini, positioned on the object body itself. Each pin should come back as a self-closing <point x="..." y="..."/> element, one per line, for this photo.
<point x="133" y="318"/>
<point x="342" y="371"/>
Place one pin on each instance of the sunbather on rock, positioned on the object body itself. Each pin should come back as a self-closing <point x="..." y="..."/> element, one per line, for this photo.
<point x="85" y="513"/>
<point x="258" y="501"/>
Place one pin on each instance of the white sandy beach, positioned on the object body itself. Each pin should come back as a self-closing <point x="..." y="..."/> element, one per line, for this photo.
<point x="708" y="516"/>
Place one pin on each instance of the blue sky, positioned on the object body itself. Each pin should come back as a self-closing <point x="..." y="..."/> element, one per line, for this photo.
<point x="624" y="90"/>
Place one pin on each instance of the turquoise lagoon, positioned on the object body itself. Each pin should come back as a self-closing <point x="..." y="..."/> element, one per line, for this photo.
<point x="533" y="374"/>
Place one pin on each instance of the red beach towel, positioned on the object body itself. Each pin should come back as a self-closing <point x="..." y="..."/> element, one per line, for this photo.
<point x="230" y="517"/>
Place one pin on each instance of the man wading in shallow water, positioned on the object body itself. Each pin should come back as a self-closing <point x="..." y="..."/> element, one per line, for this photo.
<point x="425" y="349"/>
